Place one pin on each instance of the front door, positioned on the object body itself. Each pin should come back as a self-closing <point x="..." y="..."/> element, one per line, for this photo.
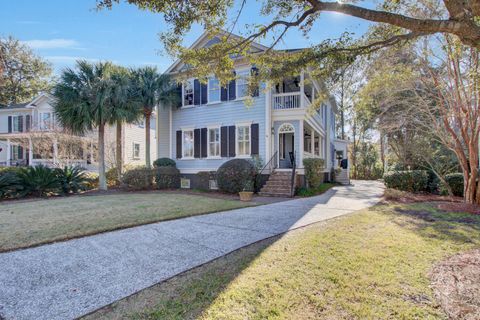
<point x="285" y="147"/>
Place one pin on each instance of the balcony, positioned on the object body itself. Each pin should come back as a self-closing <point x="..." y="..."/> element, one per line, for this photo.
<point x="290" y="101"/>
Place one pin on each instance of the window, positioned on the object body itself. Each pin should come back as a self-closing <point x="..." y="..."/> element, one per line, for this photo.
<point x="213" y="90"/>
<point x="188" y="144"/>
<point x="243" y="140"/>
<point x="317" y="145"/>
<point x="188" y="93"/>
<point x="16" y="152"/>
<point x="16" y="124"/>
<point x="242" y="83"/>
<point x="136" y="150"/>
<point x="214" y="142"/>
<point x="45" y="120"/>
<point x="185" y="183"/>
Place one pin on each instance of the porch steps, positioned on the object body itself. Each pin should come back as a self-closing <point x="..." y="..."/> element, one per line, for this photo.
<point x="278" y="185"/>
<point x="343" y="177"/>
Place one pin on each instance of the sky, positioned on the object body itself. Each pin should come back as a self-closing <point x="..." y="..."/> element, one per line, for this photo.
<point x="63" y="31"/>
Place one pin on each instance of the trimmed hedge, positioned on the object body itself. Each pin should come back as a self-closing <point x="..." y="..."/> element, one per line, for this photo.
<point x="167" y="177"/>
<point x="455" y="181"/>
<point x="140" y="178"/>
<point x="314" y="171"/>
<point x="409" y="180"/>
<point x="234" y="175"/>
<point x="164" y="162"/>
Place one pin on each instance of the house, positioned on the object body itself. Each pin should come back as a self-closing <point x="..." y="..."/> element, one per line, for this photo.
<point x="30" y="135"/>
<point x="213" y="125"/>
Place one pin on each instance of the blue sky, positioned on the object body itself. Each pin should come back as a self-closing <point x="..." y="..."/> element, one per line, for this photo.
<point x="62" y="31"/>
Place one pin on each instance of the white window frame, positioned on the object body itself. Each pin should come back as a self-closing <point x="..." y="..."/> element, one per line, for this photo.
<point x="209" y="156"/>
<point x="15" y="123"/>
<point x="237" y="83"/>
<point x="211" y="101"/>
<point x="134" y="156"/>
<point x="43" y="124"/>
<point x="183" y="144"/>
<point x="193" y="94"/>
<point x="237" y="141"/>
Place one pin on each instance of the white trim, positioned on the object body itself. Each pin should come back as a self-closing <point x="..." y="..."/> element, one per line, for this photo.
<point x="237" y="71"/>
<point x="243" y="125"/>
<point x="196" y="170"/>
<point x="208" y="91"/>
<point x="219" y="142"/>
<point x="183" y="144"/>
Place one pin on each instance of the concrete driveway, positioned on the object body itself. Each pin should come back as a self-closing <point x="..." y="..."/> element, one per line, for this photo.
<point x="69" y="279"/>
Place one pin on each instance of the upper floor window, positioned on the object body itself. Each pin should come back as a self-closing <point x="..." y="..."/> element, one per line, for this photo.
<point x="188" y="93"/>
<point x="242" y="83"/>
<point x="136" y="150"/>
<point x="187" y="144"/>
<point x="213" y="90"/>
<point x="16" y="125"/>
<point x="45" y="120"/>
<point x="214" y="142"/>
<point x="243" y="140"/>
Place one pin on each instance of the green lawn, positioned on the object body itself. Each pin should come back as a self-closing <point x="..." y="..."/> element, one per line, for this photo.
<point x="24" y="224"/>
<point x="372" y="264"/>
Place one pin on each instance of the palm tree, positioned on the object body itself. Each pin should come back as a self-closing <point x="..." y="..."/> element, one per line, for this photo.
<point x="83" y="103"/>
<point x="152" y="89"/>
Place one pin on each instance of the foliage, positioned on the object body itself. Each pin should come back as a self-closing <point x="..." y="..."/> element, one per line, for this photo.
<point x="164" y="162"/>
<point x="408" y="180"/>
<point x="309" y="192"/>
<point x="91" y="180"/>
<point x="10" y="184"/>
<point x="455" y="181"/>
<point x="140" y="178"/>
<point x="167" y="177"/>
<point x="394" y="194"/>
<point x="204" y="178"/>
<point x="72" y="179"/>
<point x="233" y="175"/>
<point x="39" y="181"/>
<point x="112" y="177"/>
<point x="314" y="171"/>
<point x="23" y="74"/>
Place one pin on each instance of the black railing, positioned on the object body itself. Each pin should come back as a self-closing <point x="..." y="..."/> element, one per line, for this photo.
<point x="294" y="167"/>
<point x="269" y="166"/>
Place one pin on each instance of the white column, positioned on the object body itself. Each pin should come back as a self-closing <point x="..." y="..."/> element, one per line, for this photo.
<point x="55" y="151"/>
<point x="30" y="151"/>
<point x="9" y="151"/>
<point x="268" y="123"/>
<point x="302" y="90"/>
<point x="312" y="142"/>
<point x="301" y="137"/>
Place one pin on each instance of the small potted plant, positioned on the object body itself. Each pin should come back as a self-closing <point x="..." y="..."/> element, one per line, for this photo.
<point x="247" y="193"/>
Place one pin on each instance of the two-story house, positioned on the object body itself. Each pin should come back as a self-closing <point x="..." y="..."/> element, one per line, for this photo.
<point x="213" y="125"/>
<point x="31" y="135"/>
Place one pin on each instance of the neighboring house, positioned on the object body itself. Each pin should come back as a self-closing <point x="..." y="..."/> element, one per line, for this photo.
<point x="30" y="135"/>
<point x="213" y="125"/>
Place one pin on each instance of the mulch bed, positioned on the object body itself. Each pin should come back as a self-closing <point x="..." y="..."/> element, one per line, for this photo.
<point x="459" y="207"/>
<point x="456" y="285"/>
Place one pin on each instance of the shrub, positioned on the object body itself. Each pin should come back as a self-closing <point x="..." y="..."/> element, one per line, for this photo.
<point x="234" y="175"/>
<point x="164" y="162"/>
<point x="39" y="181"/>
<point x="411" y="180"/>
<point x="204" y="178"/>
<point x="314" y="171"/>
<point x="10" y="184"/>
<point x="455" y="181"/>
<point x="139" y="178"/>
<point x="167" y="177"/>
<point x="91" y="180"/>
<point x="72" y="179"/>
<point x="112" y="177"/>
<point x="395" y="195"/>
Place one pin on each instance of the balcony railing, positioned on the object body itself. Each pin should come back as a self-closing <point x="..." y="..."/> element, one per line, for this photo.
<point x="289" y="101"/>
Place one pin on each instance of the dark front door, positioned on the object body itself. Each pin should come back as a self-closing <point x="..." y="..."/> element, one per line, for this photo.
<point x="285" y="147"/>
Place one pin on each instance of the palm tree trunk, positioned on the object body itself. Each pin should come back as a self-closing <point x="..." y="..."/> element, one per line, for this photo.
<point x="102" y="181"/>
<point x="147" y="138"/>
<point x="118" y="152"/>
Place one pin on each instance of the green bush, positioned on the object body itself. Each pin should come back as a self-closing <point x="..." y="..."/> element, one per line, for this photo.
<point x="409" y="180"/>
<point x="140" y="178"/>
<point x="314" y="171"/>
<point x="39" y="181"/>
<point x="167" y="178"/>
<point x="164" y="162"/>
<point x="204" y="178"/>
<point x="455" y="181"/>
<point x="92" y="180"/>
<point x="72" y="179"/>
<point x="10" y="184"/>
<point x="112" y="177"/>
<point x="234" y="175"/>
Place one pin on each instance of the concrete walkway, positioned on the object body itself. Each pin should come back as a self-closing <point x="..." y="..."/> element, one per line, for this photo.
<point x="69" y="279"/>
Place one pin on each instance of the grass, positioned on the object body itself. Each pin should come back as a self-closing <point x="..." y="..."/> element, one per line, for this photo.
<point x="309" y="192"/>
<point x="373" y="264"/>
<point x="24" y="224"/>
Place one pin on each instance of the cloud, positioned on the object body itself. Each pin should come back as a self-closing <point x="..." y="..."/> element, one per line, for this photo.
<point x="53" y="44"/>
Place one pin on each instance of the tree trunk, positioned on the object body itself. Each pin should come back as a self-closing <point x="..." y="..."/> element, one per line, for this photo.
<point x="148" y="114"/>
<point x="102" y="182"/>
<point x="118" y="152"/>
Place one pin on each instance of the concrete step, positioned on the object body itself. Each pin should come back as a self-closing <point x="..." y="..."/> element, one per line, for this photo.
<point x="275" y="190"/>
<point x="278" y="183"/>
<point x="272" y="194"/>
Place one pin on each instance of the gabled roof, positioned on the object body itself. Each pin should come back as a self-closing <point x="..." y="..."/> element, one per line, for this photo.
<point x="27" y="105"/>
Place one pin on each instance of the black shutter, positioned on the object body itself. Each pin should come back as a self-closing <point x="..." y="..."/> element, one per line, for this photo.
<point x="178" y="94"/>
<point x="179" y="144"/>
<point x="254" y="73"/>
<point x="9" y="124"/>
<point x="204" y="93"/>
<point x="231" y="89"/>
<point x="20" y="152"/>
<point x="196" y="143"/>
<point x="203" y="142"/>
<point x="224" y="141"/>
<point x="20" y="123"/>
<point x="223" y="94"/>
<point x="231" y="141"/>
<point x="254" y="135"/>
<point x="196" y="92"/>
<point x="28" y="122"/>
